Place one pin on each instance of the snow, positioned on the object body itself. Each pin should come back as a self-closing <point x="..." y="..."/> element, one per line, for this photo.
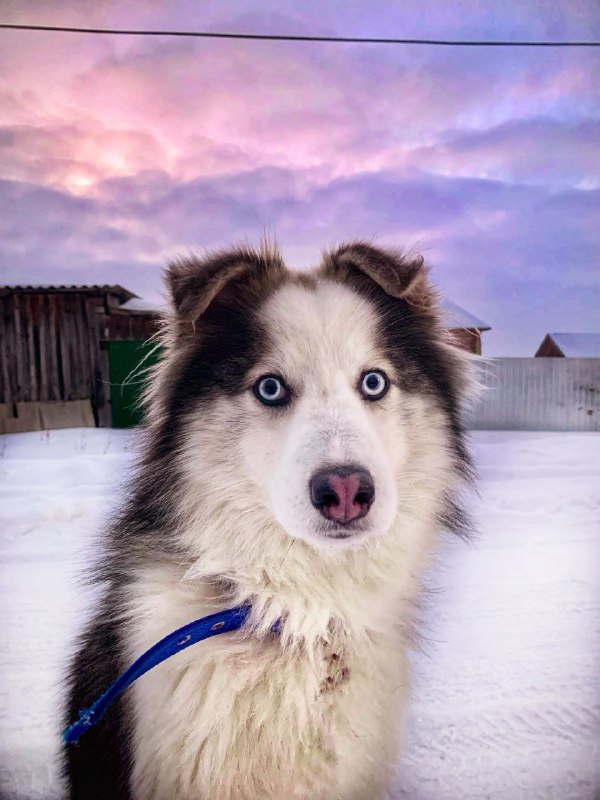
<point x="506" y="699"/>
<point x="142" y="305"/>
<point x="457" y="317"/>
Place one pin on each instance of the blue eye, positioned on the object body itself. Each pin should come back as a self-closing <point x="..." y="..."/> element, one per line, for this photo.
<point x="271" y="391"/>
<point x="374" y="384"/>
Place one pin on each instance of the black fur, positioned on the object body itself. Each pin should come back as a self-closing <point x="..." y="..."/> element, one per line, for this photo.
<point x="98" y="766"/>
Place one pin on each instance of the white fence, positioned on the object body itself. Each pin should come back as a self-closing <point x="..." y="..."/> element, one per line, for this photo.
<point x="537" y="394"/>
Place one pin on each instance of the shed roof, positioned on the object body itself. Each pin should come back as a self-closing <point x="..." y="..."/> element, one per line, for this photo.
<point x="119" y="291"/>
<point x="577" y="345"/>
<point x="457" y="317"/>
<point x="139" y="305"/>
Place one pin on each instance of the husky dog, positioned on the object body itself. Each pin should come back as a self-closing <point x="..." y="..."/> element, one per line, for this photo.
<point x="303" y="448"/>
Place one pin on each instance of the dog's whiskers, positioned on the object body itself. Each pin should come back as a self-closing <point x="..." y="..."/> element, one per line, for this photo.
<point x="285" y="556"/>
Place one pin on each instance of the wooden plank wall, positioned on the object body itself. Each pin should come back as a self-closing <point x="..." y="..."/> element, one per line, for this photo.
<point x="467" y="339"/>
<point x="21" y="417"/>
<point x="50" y="350"/>
<point x="136" y="327"/>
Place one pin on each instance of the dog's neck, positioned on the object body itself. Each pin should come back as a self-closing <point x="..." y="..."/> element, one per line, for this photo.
<point x="349" y="592"/>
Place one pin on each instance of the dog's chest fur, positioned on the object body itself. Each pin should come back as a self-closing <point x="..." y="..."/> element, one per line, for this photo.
<point x="242" y="717"/>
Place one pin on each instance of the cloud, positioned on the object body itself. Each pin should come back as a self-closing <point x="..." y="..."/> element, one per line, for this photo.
<point x="488" y="241"/>
<point x="538" y="150"/>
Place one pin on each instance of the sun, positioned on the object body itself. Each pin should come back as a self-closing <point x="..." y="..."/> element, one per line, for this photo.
<point x="78" y="182"/>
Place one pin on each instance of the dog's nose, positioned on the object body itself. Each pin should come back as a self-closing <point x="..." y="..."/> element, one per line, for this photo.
<point x="342" y="494"/>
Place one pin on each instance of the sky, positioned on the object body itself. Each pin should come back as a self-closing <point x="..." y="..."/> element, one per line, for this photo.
<point x="120" y="153"/>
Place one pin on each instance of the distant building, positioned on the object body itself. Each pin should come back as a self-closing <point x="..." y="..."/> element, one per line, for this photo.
<point x="569" y="345"/>
<point x="74" y="356"/>
<point x="466" y="329"/>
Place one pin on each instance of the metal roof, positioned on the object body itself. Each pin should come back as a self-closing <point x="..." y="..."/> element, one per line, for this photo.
<point x="577" y="345"/>
<point x="122" y="293"/>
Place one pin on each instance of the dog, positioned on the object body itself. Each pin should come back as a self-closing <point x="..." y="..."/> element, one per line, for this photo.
<point x="303" y="448"/>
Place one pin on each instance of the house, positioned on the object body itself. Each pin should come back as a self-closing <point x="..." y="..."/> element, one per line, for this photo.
<point x="73" y="356"/>
<point x="569" y="345"/>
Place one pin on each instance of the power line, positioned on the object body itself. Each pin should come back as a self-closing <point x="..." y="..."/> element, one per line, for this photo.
<point x="272" y="37"/>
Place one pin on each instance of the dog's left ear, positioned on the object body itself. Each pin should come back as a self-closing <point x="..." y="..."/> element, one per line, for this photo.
<point x="399" y="275"/>
<point x="196" y="283"/>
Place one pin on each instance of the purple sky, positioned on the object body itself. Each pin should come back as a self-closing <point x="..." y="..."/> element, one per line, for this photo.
<point x="118" y="153"/>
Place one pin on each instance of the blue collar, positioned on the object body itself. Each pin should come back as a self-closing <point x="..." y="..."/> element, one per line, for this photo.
<point x="226" y="621"/>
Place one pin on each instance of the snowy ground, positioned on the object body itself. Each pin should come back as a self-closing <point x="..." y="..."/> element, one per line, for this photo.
<point x="507" y="699"/>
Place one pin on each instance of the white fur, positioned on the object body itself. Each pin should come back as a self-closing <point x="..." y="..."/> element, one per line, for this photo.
<point x="314" y="713"/>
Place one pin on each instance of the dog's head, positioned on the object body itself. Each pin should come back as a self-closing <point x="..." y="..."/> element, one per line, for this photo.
<point x="321" y="404"/>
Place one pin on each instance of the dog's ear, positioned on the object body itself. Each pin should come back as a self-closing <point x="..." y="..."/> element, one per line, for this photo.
<point x="194" y="283"/>
<point x="399" y="275"/>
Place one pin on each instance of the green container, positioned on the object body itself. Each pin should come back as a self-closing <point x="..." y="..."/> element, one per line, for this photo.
<point x="128" y="366"/>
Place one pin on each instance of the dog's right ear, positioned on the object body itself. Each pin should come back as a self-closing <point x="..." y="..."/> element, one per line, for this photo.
<point x="194" y="283"/>
<point x="399" y="275"/>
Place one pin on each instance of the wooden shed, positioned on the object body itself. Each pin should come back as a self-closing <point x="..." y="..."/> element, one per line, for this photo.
<point x="54" y="353"/>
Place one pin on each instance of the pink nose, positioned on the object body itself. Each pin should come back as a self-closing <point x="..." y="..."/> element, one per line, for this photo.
<point x="342" y="494"/>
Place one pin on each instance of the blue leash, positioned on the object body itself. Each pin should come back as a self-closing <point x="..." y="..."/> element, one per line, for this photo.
<point x="226" y="621"/>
